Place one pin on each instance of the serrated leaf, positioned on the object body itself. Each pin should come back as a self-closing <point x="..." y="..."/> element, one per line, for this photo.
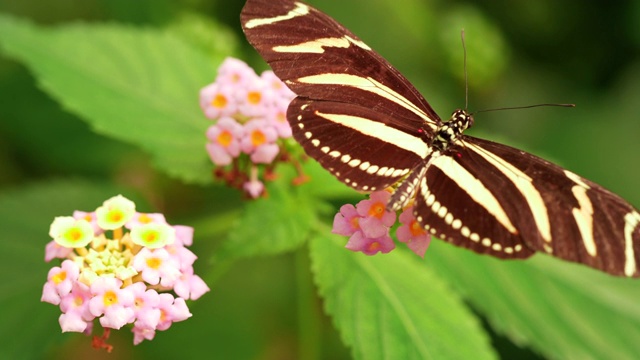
<point x="28" y="325"/>
<point x="390" y="307"/>
<point x="268" y="226"/>
<point x="562" y="310"/>
<point x="139" y="85"/>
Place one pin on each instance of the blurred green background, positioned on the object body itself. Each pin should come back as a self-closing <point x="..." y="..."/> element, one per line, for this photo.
<point x="519" y="53"/>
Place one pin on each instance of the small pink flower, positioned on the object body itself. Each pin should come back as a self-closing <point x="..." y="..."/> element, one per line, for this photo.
<point x="60" y="281"/>
<point x="146" y="304"/>
<point x="91" y="218"/>
<point x="236" y="73"/>
<point x="253" y="99"/>
<point x="53" y="250"/>
<point x="76" y="315"/>
<point x="376" y="219"/>
<point x="276" y="85"/>
<point x="254" y="188"/>
<point x="224" y="141"/>
<point x="172" y="310"/>
<point x="184" y="235"/>
<point x="412" y="233"/>
<point x="276" y="116"/>
<point x="140" y="219"/>
<point x="114" y="303"/>
<point x="346" y="222"/>
<point x="259" y="141"/>
<point x="217" y="101"/>
<point x="370" y="246"/>
<point x="190" y="286"/>
<point x="157" y="267"/>
<point x="141" y="333"/>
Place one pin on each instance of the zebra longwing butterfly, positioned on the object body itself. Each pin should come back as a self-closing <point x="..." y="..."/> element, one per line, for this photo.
<point x="366" y="124"/>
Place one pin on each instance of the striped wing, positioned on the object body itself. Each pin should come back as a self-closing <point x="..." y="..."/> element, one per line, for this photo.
<point x="504" y="202"/>
<point x="332" y="71"/>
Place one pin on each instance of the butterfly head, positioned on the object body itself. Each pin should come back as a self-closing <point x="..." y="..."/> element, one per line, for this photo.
<point x="450" y="131"/>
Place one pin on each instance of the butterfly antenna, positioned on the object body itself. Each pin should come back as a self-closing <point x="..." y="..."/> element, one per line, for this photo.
<point x="466" y="78"/>
<point x="524" y="107"/>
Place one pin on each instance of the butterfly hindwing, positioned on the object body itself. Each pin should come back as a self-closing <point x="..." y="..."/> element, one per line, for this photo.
<point x="512" y="197"/>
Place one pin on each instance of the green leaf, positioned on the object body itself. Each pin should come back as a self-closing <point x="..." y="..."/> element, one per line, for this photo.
<point x="28" y="326"/>
<point x="562" y="310"/>
<point x="138" y="85"/>
<point x="273" y="225"/>
<point x="389" y="307"/>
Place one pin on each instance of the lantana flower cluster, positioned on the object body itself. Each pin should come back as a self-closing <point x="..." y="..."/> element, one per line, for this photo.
<point x="121" y="267"/>
<point x="369" y="223"/>
<point x="250" y="129"/>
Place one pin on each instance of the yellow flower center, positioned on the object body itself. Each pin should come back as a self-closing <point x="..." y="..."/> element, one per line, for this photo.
<point x="258" y="138"/>
<point x="150" y="237"/>
<point x="59" y="277"/>
<point x="154" y="263"/>
<point x="219" y="101"/>
<point x="254" y="97"/>
<point x="73" y="234"/>
<point x="115" y="216"/>
<point x="225" y="138"/>
<point x="110" y="298"/>
<point x="144" y="218"/>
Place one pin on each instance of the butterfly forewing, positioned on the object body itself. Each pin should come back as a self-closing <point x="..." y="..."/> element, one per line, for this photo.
<point x="320" y="59"/>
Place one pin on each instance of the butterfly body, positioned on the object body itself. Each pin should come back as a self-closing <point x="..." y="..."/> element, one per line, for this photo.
<point x="366" y="124"/>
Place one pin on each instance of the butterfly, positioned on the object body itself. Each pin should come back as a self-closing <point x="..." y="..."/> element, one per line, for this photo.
<point x="365" y="123"/>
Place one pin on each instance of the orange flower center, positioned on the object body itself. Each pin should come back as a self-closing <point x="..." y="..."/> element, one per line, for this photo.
<point x="74" y="234"/>
<point x="59" y="277"/>
<point x="115" y="216"/>
<point x="225" y="138"/>
<point x="258" y="138"/>
<point x="355" y="222"/>
<point x="219" y="101"/>
<point x="416" y="229"/>
<point x="377" y="210"/>
<point x="254" y="97"/>
<point x="374" y="246"/>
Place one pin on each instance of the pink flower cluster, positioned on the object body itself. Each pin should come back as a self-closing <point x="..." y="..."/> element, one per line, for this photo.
<point x="142" y="276"/>
<point x="250" y="119"/>
<point x="368" y="226"/>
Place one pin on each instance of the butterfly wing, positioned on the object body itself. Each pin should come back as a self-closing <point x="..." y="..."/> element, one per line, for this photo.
<point x="332" y="71"/>
<point x="521" y="203"/>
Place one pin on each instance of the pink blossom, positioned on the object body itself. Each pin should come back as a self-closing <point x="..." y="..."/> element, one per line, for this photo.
<point x="146" y="304"/>
<point x="172" y="310"/>
<point x="224" y="141"/>
<point x="53" y="250"/>
<point x="376" y="219"/>
<point x="141" y="333"/>
<point x="76" y="316"/>
<point x="157" y="266"/>
<point x="254" y="188"/>
<point x="190" y="286"/>
<point x="91" y="218"/>
<point x="114" y="303"/>
<point x="276" y="116"/>
<point x="346" y="222"/>
<point x="370" y="246"/>
<point x="276" y="85"/>
<point x="60" y="282"/>
<point x="253" y="99"/>
<point x="259" y="141"/>
<point x="184" y="235"/>
<point x="217" y="101"/>
<point x="236" y="73"/>
<point x="412" y="233"/>
<point x="140" y="219"/>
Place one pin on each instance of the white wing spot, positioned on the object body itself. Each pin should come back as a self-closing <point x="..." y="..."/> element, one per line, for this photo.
<point x="465" y="231"/>
<point x="364" y="166"/>
<point x="325" y="149"/>
<point x="518" y="247"/>
<point x="334" y="153"/>
<point x="631" y="222"/>
<point x="474" y="237"/>
<point x="308" y="135"/>
<point x="456" y="224"/>
<point x="442" y="212"/>
<point x="345" y="158"/>
<point x="496" y="247"/>
<point x="315" y="142"/>
<point x="486" y="242"/>
<point x="355" y="162"/>
<point x="372" y="169"/>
